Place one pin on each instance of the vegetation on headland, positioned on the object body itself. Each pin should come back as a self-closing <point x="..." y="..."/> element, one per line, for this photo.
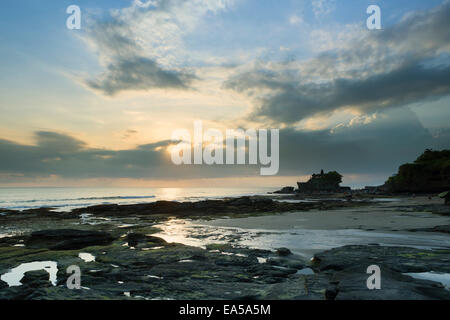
<point x="430" y="172"/>
<point x="323" y="182"/>
<point x="332" y="177"/>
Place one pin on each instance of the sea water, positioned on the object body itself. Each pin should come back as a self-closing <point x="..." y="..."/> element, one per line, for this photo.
<point x="65" y="199"/>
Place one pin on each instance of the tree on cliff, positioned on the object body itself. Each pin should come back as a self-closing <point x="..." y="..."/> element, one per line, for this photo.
<point x="429" y="173"/>
<point x="333" y="177"/>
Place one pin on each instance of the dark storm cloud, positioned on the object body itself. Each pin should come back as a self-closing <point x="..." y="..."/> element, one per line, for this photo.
<point x="400" y="87"/>
<point x="138" y="73"/>
<point x="376" y="146"/>
<point x="67" y="157"/>
<point x="403" y="64"/>
<point x="55" y="142"/>
<point x="59" y="154"/>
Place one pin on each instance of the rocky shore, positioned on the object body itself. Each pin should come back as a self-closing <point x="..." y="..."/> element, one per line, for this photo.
<point x="139" y="266"/>
<point x="121" y="258"/>
<point x="162" y="210"/>
<point x="241" y="205"/>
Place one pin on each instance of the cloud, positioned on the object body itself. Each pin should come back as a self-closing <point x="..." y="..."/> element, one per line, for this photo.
<point x="399" y="87"/>
<point x="65" y="156"/>
<point x="323" y="7"/>
<point x="56" y="142"/>
<point x="56" y="154"/>
<point x="376" y="144"/>
<point x="405" y="63"/>
<point x="142" y="47"/>
<point x="295" y="20"/>
<point x="138" y="73"/>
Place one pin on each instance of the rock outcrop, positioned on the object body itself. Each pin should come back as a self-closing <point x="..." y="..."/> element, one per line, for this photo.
<point x="323" y="182"/>
<point x="430" y="173"/>
<point x="347" y="267"/>
<point x="67" y="239"/>
<point x="286" y="190"/>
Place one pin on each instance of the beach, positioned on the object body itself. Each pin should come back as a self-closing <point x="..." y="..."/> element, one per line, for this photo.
<point x="389" y="214"/>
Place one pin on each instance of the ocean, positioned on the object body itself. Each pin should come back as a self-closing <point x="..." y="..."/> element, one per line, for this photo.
<point x="66" y="199"/>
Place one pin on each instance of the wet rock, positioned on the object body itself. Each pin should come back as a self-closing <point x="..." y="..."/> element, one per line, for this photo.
<point x="16" y="293"/>
<point x="137" y="238"/>
<point x="298" y="287"/>
<point x="400" y="259"/>
<point x="3" y="285"/>
<point x="238" y="206"/>
<point x="226" y="260"/>
<point x="283" y="252"/>
<point x="285" y="190"/>
<point x="11" y="241"/>
<point x="225" y="247"/>
<point x="269" y="274"/>
<point x="443" y="229"/>
<point x="331" y="293"/>
<point x="222" y="271"/>
<point x="261" y="203"/>
<point x="347" y="268"/>
<point x="352" y="285"/>
<point x="287" y="263"/>
<point x="246" y="201"/>
<point x="67" y="239"/>
<point x="36" y="279"/>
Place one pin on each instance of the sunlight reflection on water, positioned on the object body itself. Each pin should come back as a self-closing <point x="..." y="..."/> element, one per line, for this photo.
<point x="443" y="278"/>
<point x="13" y="277"/>
<point x="300" y="241"/>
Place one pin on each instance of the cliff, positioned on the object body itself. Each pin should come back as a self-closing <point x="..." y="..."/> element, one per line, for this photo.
<point x="430" y="173"/>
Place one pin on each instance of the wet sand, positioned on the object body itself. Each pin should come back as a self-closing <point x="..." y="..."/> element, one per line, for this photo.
<point x="385" y="216"/>
<point x="386" y="223"/>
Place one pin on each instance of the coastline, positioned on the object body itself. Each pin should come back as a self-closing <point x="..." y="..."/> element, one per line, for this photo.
<point x="381" y="216"/>
<point x="135" y="257"/>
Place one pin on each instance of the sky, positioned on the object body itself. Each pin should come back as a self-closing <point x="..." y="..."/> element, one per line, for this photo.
<point x="97" y="106"/>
